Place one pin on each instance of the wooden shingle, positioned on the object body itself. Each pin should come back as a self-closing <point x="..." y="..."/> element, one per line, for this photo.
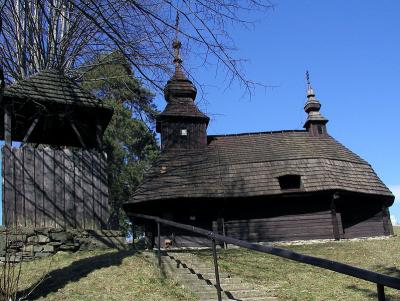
<point x="248" y="165"/>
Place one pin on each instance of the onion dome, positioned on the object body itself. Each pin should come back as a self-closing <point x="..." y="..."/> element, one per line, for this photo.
<point x="312" y="107"/>
<point x="179" y="86"/>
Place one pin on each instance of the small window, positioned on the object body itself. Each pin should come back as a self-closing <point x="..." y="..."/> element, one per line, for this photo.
<point x="184" y="132"/>
<point x="290" y="182"/>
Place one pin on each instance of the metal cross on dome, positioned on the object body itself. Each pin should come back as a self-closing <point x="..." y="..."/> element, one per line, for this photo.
<point x="308" y="78"/>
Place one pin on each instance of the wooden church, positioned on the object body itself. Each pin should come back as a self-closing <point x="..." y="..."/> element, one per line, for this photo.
<point x="260" y="187"/>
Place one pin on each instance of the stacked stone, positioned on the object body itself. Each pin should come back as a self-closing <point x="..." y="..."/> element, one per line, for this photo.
<point x="27" y="243"/>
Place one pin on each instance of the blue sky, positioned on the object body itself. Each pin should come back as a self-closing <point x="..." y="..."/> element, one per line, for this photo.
<point x="352" y="50"/>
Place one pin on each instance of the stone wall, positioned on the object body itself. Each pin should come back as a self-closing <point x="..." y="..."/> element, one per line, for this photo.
<point x="28" y="243"/>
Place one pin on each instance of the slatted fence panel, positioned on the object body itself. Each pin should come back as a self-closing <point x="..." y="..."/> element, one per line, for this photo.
<point x="55" y="188"/>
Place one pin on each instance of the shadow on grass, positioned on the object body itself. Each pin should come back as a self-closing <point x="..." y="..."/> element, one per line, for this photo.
<point x="58" y="278"/>
<point x="372" y="294"/>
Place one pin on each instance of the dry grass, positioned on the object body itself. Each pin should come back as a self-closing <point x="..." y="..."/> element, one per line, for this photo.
<point x="112" y="275"/>
<point x="100" y="275"/>
<point x="300" y="282"/>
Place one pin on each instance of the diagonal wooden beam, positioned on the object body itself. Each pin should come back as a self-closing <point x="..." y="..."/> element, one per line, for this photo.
<point x="78" y="134"/>
<point x="7" y="125"/>
<point x="30" y="130"/>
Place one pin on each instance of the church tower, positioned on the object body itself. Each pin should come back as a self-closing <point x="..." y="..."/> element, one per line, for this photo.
<point x="315" y="123"/>
<point x="182" y="125"/>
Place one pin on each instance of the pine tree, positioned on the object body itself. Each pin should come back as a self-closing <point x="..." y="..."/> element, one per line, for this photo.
<point x="129" y="140"/>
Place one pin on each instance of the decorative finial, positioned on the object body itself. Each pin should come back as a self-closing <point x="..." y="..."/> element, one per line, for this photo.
<point x="316" y="123"/>
<point x="176" y="44"/>
<point x="310" y="91"/>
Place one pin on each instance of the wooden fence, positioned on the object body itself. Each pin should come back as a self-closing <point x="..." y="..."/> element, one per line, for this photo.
<point x="54" y="188"/>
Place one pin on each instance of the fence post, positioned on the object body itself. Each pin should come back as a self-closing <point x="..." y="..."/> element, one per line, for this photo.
<point x="159" y="243"/>
<point x="381" y="292"/>
<point x="218" y="285"/>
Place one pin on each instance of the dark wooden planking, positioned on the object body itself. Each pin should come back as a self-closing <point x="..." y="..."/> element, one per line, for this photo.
<point x="282" y="237"/>
<point x="335" y="223"/>
<point x="19" y="216"/>
<point x="55" y="188"/>
<point x="295" y="227"/>
<point x="294" y="217"/>
<point x="340" y="225"/>
<point x="29" y="186"/>
<point x="182" y="241"/>
<point x="78" y="188"/>
<point x="105" y="212"/>
<point x="299" y="219"/>
<point x="364" y="229"/>
<point x="48" y="188"/>
<point x="283" y="229"/>
<point x="274" y="224"/>
<point x="284" y="234"/>
<point x="8" y="178"/>
<point x="312" y="231"/>
<point x="385" y="221"/>
<point x="87" y="189"/>
<point x="39" y="197"/>
<point x="96" y="189"/>
<point x="69" y="190"/>
<point x="59" y="189"/>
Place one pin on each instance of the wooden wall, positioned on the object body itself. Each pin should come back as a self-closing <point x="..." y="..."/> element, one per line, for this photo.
<point x="364" y="217"/>
<point x="55" y="188"/>
<point x="172" y="139"/>
<point x="275" y="219"/>
<point x="374" y="225"/>
<point x="317" y="225"/>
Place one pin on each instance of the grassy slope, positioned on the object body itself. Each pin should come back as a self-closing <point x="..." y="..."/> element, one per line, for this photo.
<point x="112" y="275"/>
<point x="100" y="275"/>
<point x="296" y="281"/>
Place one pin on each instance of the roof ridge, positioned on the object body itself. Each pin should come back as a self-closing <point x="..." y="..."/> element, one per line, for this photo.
<point x="362" y="162"/>
<point x="258" y="133"/>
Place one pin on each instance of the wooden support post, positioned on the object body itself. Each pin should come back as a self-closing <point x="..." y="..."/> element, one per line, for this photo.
<point x="159" y="244"/>
<point x="217" y="282"/>
<point x="220" y="229"/>
<point x="335" y="225"/>
<point x="381" y="292"/>
<point x="224" y="233"/>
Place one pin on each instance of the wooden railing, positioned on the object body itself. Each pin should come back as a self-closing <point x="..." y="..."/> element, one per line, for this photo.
<point x="380" y="280"/>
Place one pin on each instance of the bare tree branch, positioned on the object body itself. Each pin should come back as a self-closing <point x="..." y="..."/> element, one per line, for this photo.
<point x="64" y="34"/>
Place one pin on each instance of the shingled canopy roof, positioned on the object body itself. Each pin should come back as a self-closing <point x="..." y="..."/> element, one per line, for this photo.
<point x="59" y="104"/>
<point x="249" y="165"/>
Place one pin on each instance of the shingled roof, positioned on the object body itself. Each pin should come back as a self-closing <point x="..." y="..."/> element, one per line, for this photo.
<point x="54" y="87"/>
<point x="50" y="102"/>
<point x="248" y="165"/>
